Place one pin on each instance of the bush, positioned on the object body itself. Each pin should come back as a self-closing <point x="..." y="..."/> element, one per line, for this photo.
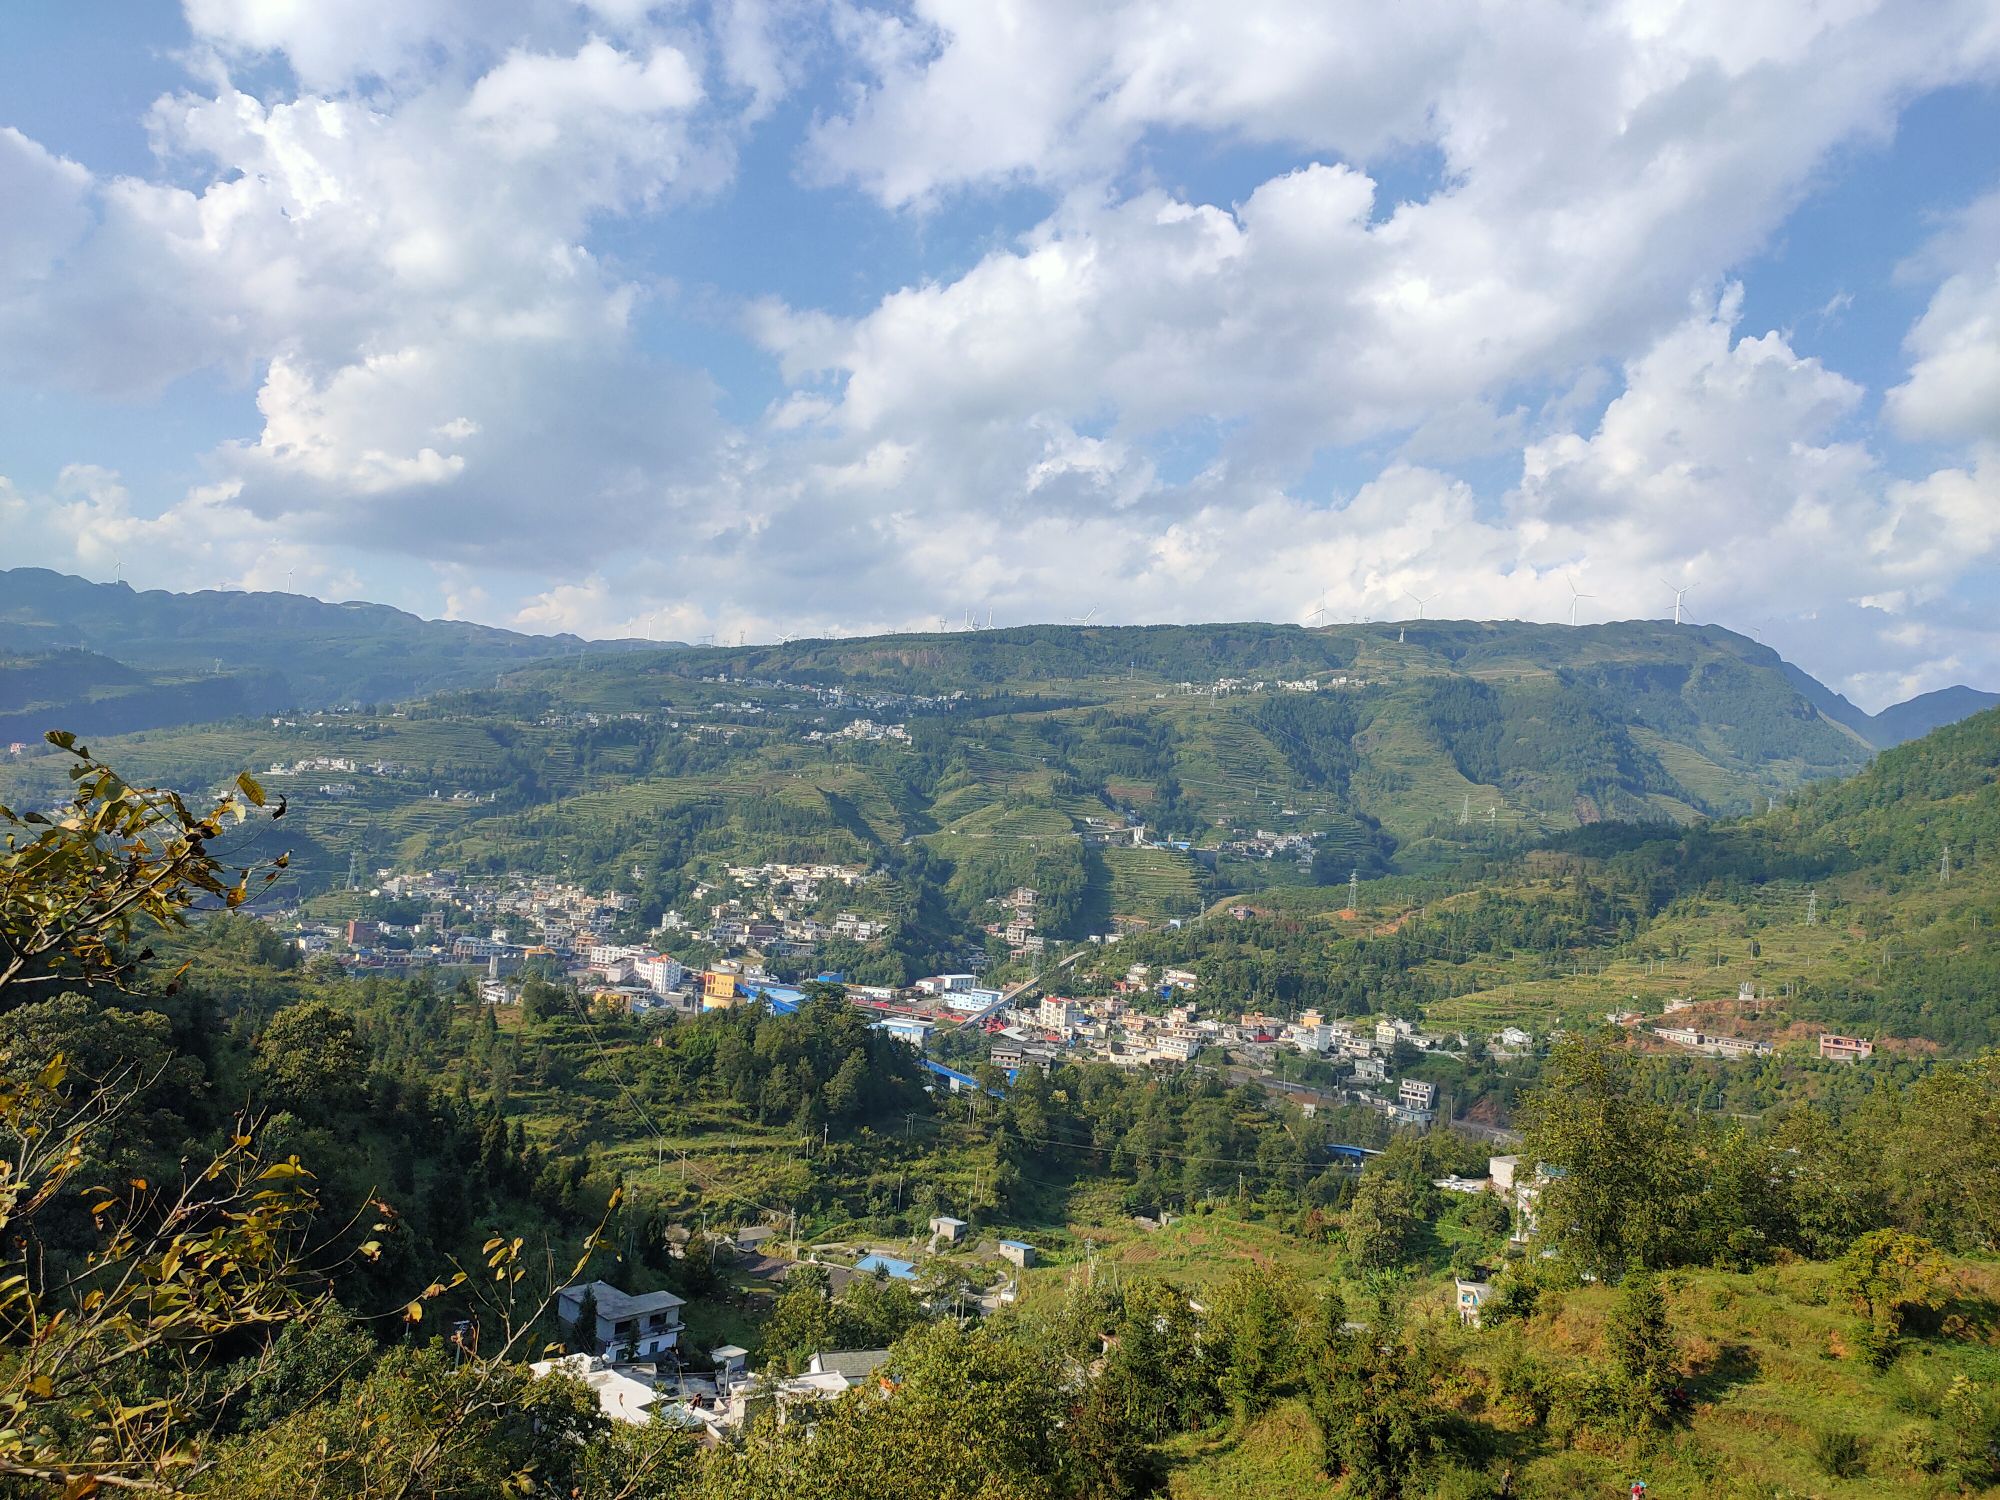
<point x="1456" y="1482"/>
<point x="1840" y="1454"/>
<point x="1914" y="1446"/>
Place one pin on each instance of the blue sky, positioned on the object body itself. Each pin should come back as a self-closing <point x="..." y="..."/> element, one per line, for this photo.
<point x="776" y="317"/>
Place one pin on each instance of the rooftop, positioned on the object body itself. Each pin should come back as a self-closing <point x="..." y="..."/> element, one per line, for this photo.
<point x="617" y="1305"/>
<point x="850" y="1364"/>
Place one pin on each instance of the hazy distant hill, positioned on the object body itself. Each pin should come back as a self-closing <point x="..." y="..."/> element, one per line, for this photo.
<point x="93" y="694"/>
<point x="1920" y="715"/>
<point x="279" y="650"/>
<point x="1900" y="721"/>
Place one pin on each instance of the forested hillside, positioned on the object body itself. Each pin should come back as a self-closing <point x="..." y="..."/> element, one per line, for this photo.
<point x="1865" y="905"/>
<point x="278" y="1232"/>
<point x="1139" y="774"/>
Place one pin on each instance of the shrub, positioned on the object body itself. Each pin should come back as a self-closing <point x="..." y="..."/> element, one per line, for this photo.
<point x="1914" y="1445"/>
<point x="1839" y="1453"/>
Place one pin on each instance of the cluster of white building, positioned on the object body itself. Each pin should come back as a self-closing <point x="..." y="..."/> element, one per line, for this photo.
<point x="1224" y="687"/>
<point x="766" y="910"/>
<point x="633" y="1365"/>
<point x="863" y="729"/>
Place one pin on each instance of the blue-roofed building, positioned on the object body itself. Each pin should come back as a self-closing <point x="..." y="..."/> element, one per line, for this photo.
<point x="782" y="998"/>
<point x="1018" y="1252"/>
<point x="887" y="1265"/>
<point x="906" y="1029"/>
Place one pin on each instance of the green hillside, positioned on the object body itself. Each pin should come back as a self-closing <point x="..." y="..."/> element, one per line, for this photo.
<point x="1770" y="1277"/>
<point x="93" y="694"/>
<point x="1035" y="756"/>
<point x="1840" y="909"/>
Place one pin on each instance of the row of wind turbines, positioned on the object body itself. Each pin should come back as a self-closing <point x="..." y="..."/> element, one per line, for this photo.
<point x="1317" y="615"/>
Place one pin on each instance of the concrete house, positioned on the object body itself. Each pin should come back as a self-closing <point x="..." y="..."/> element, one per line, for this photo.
<point x="947" y="1229"/>
<point x="644" y="1326"/>
<point x="619" y="1396"/>
<point x="1472" y="1296"/>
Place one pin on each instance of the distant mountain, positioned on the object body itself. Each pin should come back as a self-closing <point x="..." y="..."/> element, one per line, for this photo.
<point x="1900" y="722"/>
<point x="95" y="695"/>
<point x="206" y="655"/>
<point x="1916" y="718"/>
<point x="976" y="761"/>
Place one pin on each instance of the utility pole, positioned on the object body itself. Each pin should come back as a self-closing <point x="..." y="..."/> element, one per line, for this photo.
<point x="1944" y="867"/>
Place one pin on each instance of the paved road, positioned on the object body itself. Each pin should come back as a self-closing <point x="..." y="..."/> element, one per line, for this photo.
<point x="1009" y="996"/>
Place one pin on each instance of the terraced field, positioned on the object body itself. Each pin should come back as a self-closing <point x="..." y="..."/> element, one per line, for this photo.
<point x="1151" y="883"/>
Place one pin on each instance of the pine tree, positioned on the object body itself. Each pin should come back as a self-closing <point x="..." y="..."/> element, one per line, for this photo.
<point x="581" y="1337"/>
<point x="1642" y="1343"/>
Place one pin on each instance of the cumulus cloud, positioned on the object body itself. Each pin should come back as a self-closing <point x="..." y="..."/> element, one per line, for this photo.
<point x="1953" y="390"/>
<point x="1473" y="340"/>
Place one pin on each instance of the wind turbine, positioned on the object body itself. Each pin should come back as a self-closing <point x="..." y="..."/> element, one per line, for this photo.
<point x="1087" y="618"/>
<point x="1318" y="615"/>
<point x="1574" y="598"/>
<point x="1422" y="600"/>
<point x="1679" y="594"/>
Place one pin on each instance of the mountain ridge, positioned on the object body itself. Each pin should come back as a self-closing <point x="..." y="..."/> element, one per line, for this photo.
<point x="285" y="651"/>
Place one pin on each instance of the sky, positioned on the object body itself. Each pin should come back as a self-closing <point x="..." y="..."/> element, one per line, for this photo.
<point x="749" y="319"/>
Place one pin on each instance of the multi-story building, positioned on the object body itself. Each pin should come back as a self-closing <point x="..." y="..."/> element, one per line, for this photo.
<point x="631" y="1327"/>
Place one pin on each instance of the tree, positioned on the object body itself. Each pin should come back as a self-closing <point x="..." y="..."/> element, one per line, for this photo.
<point x="1618" y="1190"/>
<point x="1643" y="1348"/>
<point x="1259" y="1332"/>
<point x="543" y="1001"/>
<point x="311" y="1057"/>
<point x="1383" y="1222"/>
<point x="311" y="1359"/>
<point x="423" y="1422"/>
<point x="972" y="1418"/>
<point x="581" y="1335"/>
<point x="178" y="1266"/>
<point x="1373" y="1400"/>
<point x="75" y="887"/>
<point x="801" y="1320"/>
<point x="1887" y="1275"/>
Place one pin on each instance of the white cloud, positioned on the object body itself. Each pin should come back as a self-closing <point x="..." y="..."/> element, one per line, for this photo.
<point x="330" y="47"/>
<point x="531" y="101"/>
<point x="86" y="523"/>
<point x="46" y="198"/>
<point x="1539" y="96"/>
<point x="1953" y="392"/>
<point x="405" y="257"/>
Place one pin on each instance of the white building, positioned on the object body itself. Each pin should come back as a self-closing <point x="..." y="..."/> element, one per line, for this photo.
<point x="659" y="972"/>
<point x="1180" y="1044"/>
<point x="1055" y="1014"/>
<point x="644" y="1326"/>
<point x="1416" y="1093"/>
<point x="619" y="1396"/>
